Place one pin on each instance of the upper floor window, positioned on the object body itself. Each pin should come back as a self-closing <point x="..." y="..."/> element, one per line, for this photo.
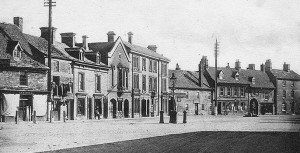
<point x="222" y="91"/>
<point x="292" y="94"/>
<point x="154" y="84"/>
<point x="237" y="76"/>
<point x="112" y="75"/>
<point x="164" y="84"/>
<point x="55" y="66"/>
<point x="284" y="94"/>
<point x="123" y="78"/>
<point x="228" y="91"/>
<point x="144" y="64"/>
<point x="253" y="80"/>
<point x="150" y="65"/>
<point x="23" y="79"/>
<point x="136" y="81"/>
<point x="144" y="82"/>
<point x="136" y="63"/>
<point x="70" y="69"/>
<point x="98" y="83"/>
<point x="267" y="96"/>
<point x="198" y="94"/>
<point x="154" y="66"/>
<point x="81" y="82"/>
<point x="164" y="69"/>
<point x="283" y="83"/>
<point x="235" y="91"/>
<point x="242" y="92"/>
<point x="150" y="84"/>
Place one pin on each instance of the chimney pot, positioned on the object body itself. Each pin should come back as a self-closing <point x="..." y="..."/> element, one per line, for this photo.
<point x="227" y="65"/>
<point x="251" y="67"/>
<point x="262" y="67"/>
<point x="111" y="36"/>
<point x="238" y="65"/>
<point x="177" y="66"/>
<point x="286" y="67"/>
<point x="268" y="65"/>
<point x="18" y="21"/>
<point x="85" y="44"/>
<point x="130" y="37"/>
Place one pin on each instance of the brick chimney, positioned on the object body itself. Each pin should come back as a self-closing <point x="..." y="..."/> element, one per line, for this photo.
<point x="268" y="65"/>
<point x="251" y="67"/>
<point x="200" y="69"/>
<point x="238" y="65"/>
<point x="18" y="21"/>
<point x="228" y="66"/>
<point x="177" y="66"/>
<point x="111" y="36"/>
<point x="130" y="37"/>
<point x="286" y="67"/>
<point x="45" y="33"/>
<point x="85" y="43"/>
<point x="262" y="67"/>
<point x="204" y="62"/>
<point x="68" y="38"/>
<point x="152" y="47"/>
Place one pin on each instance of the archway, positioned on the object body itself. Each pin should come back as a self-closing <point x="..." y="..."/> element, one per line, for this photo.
<point x="113" y="109"/>
<point x="254" y="106"/>
<point x="126" y="108"/>
<point x="144" y="108"/>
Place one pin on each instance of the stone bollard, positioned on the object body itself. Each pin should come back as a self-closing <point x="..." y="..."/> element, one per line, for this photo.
<point x="161" y="117"/>
<point x="17" y="117"/>
<point x="34" y="117"/>
<point x="64" y="116"/>
<point x="184" y="116"/>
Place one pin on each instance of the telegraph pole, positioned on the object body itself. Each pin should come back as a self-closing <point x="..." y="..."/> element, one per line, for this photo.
<point x="216" y="77"/>
<point x="49" y="3"/>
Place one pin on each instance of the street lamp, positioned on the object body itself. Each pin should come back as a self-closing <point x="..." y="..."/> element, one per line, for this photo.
<point x="173" y="82"/>
<point x="152" y="104"/>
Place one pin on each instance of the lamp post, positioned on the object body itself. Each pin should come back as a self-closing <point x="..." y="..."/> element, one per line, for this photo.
<point x="173" y="82"/>
<point x="152" y="104"/>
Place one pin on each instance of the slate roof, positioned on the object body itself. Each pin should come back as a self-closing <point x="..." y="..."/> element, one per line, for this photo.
<point x="280" y="74"/>
<point x="144" y="50"/>
<point x="101" y="46"/>
<point x="59" y="49"/>
<point x="261" y="78"/>
<point x="188" y="80"/>
<point x="10" y="36"/>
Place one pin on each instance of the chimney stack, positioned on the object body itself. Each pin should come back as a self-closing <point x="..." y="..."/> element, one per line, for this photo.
<point x="45" y="33"/>
<point x="200" y="69"/>
<point x="268" y="65"/>
<point x="251" y="67"/>
<point x="18" y="21"/>
<point x="68" y="38"/>
<point x="238" y="65"/>
<point x="262" y="67"/>
<point x="228" y="66"/>
<point x="152" y="47"/>
<point x="111" y="36"/>
<point x="130" y="37"/>
<point x="85" y="43"/>
<point x="286" y="67"/>
<point x="177" y="66"/>
<point x="204" y="62"/>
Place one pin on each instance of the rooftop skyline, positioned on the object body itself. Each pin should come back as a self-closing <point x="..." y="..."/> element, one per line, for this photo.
<point x="251" y="31"/>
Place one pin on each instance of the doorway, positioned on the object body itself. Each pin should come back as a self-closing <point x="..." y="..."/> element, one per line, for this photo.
<point x="144" y="107"/>
<point x="126" y="108"/>
<point x="113" y="108"/>
<point x="25" y="107"/>
<point x="219" y="107"/>
<point x="254" y="106"/>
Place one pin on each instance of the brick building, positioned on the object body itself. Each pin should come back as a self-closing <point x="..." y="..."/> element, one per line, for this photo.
<point x="241" y="91"/>
<point x="192" y="92"/>
<point x="287" y="92"/>
<point x="23" y="85"/>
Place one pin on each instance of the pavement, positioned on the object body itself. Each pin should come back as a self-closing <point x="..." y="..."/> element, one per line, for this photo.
<point x="44" y="136"/>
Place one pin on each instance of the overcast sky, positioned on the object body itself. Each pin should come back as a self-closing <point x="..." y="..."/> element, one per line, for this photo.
<point x="184" y="31"/>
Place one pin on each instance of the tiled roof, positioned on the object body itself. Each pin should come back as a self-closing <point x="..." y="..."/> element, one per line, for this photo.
<point x="188" y="80"/>
<point x="101" y="46"/>
<point x="280" y="74"/>
<point x="145" y="51"/>
<point x="261" y="78"/>
<point x="10" y="36"/>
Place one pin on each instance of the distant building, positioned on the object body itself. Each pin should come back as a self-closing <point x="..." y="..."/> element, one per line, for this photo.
<point x="23" y="80"/>
<point x="287" y="92"/>
<point x="241" y="91"/>
<point x="192" y="92"/>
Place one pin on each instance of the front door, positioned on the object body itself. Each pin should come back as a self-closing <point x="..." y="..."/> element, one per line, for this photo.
<point x="219" y="108"/>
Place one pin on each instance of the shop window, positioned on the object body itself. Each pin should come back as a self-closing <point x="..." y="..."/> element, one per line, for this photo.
<point x="81" y="106"/>
<point x="23" y="79"/>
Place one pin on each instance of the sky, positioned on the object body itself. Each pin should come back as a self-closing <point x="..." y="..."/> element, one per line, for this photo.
<point x="250" y="31"/>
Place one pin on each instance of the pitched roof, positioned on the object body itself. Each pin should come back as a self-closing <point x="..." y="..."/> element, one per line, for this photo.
<point x="101" y="46"/>
<point x="280" y="74"/>
<point x="145" y="51"/>
<point x="10" y="36"/>
<point x="188" y="80"/>
<point x="261" y="78"/>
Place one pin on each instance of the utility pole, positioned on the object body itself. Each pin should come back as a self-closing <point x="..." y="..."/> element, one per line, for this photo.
<point x="216" y="77"/>
<point x="49" y="3"/>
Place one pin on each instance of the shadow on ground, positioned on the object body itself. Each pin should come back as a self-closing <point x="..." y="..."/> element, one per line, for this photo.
<point x="208" y="141"/>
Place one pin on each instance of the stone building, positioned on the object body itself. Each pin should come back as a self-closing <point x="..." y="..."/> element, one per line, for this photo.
<point x="192" y="92"/>
<point x="241" y="90"/>
<point x="287" y="92"/>
<point x="23" y="85"/>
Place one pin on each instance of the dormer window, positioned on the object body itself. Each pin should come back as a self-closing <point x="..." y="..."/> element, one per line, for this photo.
<point x="98" y="59"/>
<point x="17" y="52"/>
<point x="81" y="57"/>
<point x="221" y="75"/>
<point x="236" y="76"/>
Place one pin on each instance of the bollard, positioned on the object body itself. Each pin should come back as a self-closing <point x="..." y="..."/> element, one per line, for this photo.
<point x="34" y="117"/>
<point x="51" y="115"/>
<point x="17" y="117"/>
<point x="64" y="116"/>
<point x="161" y="117"/>
<point x="184" y="116"/>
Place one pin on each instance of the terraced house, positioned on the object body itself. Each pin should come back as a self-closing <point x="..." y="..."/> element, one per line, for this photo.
<point x="137" y="79"/>
<point x="23" y="86"/>
<point x="241" y="91"/>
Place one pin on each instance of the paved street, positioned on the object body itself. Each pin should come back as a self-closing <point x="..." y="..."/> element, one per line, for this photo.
<point x="201" y="133"/>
